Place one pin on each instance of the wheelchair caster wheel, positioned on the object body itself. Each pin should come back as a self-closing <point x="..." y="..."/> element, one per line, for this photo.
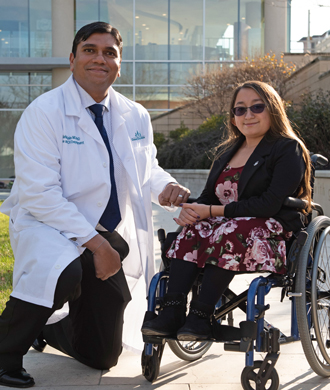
<point x="249" y="378"/>
<point x="151" y="363"/>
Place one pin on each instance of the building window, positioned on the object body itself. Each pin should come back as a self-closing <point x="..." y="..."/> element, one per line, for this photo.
<point x="25" y="28"/>
<point x="168" y="41"/>
<point x="117" y="13"/>
<point x="17" y="91"/>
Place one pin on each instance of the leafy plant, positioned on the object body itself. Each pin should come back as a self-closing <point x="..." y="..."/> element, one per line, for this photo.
<point x="159" y="139"/>
<point x="179" y="132"/>
<point x="194" y="149"/>
<point x="312" y="121"/>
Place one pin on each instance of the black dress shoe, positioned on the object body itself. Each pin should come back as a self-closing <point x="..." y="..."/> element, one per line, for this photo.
<point x="19" y="378"/>
<point x="39" y="343"/>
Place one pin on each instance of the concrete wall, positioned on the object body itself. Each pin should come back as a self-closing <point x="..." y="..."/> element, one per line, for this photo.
<point x="172" y="120"/>
<point x="310" y="78"/>
<point x="195" y="180"/>
<point x="322" y="190"/>
<point x="302" y="59"/>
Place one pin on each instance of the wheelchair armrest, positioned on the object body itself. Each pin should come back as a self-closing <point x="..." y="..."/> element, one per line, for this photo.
<point x="295" y="203"/>
<point x="318" y="208"/>
<point x="318" y="159"/>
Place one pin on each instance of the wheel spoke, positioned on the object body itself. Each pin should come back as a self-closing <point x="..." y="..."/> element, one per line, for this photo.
<point x="313" y="281"/>
<point x="320" y="303"/>
<point x="252" y="376"/>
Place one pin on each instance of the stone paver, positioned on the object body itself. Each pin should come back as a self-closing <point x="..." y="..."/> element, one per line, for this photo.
<point x="217" y="370"/>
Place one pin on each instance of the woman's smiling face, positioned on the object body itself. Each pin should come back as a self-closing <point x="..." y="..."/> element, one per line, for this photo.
<point x="252" y="126"/>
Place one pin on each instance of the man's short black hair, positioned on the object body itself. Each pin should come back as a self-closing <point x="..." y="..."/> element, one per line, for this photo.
<point x="97" y="27"/>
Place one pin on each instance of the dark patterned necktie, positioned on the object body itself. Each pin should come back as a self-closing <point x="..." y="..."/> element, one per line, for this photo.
<point x="111" y="215"/>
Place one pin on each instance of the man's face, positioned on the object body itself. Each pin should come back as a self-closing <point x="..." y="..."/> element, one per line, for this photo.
<point x="96" y="64"/>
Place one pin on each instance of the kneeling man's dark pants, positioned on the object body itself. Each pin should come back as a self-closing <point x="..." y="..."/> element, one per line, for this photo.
<point x="92" y="333"/>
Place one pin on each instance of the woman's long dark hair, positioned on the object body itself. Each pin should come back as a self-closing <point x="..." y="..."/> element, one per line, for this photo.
<point x="279" y="127"/>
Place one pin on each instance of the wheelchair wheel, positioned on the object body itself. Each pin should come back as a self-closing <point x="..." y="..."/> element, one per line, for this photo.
<point x="249" y="378"/>
<point x="189" y="350"/>
<point x="313" y="307"/>
<point x="151" y="363"/>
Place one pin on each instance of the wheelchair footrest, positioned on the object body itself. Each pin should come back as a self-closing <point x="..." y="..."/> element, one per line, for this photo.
<point x="248" y="333"/>
<point x="242" y="346"/>
<point x="271" y="340"/>
<point x="153" y="339"/>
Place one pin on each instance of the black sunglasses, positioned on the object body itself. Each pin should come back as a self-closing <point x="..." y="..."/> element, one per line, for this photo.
<point x="256" y="109"/>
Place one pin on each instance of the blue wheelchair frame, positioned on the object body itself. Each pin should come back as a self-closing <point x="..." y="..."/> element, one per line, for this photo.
<point x="255" y="310"/>
<point x="268" y="338"/>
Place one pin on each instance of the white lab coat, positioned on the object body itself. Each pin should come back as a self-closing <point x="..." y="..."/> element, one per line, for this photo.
<point x="63" y="185"/>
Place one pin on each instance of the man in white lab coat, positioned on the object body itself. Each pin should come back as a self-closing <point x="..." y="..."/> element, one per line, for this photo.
<point x="86" y="177"/>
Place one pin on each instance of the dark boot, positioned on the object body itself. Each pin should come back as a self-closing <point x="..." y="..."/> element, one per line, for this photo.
<point x="170" y="319"/>
<point x="198" y="324"/>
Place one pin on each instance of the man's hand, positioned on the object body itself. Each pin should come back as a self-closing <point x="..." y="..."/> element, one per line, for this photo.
<point x="106" y="259"/>
<point x="173" y="194"/>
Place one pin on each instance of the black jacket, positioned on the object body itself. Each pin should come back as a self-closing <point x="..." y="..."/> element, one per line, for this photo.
<point x="274" y="171"/>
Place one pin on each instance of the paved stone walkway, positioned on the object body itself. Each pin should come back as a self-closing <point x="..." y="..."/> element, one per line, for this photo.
<point x="217" y="370"/>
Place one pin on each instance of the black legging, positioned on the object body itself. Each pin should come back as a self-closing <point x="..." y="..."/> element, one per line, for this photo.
<point x="215" y="280"/>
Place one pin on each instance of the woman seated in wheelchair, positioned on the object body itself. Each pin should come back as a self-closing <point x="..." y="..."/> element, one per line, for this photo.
<point x="239" y="223"/>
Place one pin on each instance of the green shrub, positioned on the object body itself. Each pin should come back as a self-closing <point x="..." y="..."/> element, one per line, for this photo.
<point x="180" y="132"/>
<point x="212" y="123"/>
<point x="194" y="149"/>
<point x="159" y="139"/>
<point x="312" y="121"/>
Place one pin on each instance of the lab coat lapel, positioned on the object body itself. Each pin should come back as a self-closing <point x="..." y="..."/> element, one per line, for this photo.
<point x="73" y="107"/>
<point x="121" y="138"/>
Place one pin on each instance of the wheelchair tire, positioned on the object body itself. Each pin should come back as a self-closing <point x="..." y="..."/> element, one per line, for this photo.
<point x="189" y="350"/>
<point x="151" y="363"/>
<point x="313" y="307"/>
<point x="249" y="376"/>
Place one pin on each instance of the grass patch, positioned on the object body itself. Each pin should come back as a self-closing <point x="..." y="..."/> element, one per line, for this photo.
<point x="6" y="262"/>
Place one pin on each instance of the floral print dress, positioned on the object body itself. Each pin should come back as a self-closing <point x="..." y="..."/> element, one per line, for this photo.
<point x="244" y="244"/>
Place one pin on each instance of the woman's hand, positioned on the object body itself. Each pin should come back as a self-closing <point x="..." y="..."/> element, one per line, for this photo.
<point x="191" y="213"/>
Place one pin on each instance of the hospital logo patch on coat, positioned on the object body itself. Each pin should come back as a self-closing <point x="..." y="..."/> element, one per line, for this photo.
<point x="138" y="136"/>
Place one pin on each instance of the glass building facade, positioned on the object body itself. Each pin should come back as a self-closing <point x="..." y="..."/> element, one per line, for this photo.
<point x="165" y="43"/>
<point x="168" y="41"/>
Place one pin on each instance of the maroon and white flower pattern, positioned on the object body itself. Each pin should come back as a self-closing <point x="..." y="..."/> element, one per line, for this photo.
<point x="231" y="264"/>
<point x="257" y="232"/>
<point x="247" y="244"/>
<point x="261" y="251"/>
<point x="225" y="228"/>
<point x="274" y="226"/>
<point x="191" y="256"/>
<point x="229" y="246"/>
<point x="204" y="229"/>
<point x="226" y="192"/>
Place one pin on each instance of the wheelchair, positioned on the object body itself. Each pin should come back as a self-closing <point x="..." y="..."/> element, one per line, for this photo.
<point x="306" y="283"/>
